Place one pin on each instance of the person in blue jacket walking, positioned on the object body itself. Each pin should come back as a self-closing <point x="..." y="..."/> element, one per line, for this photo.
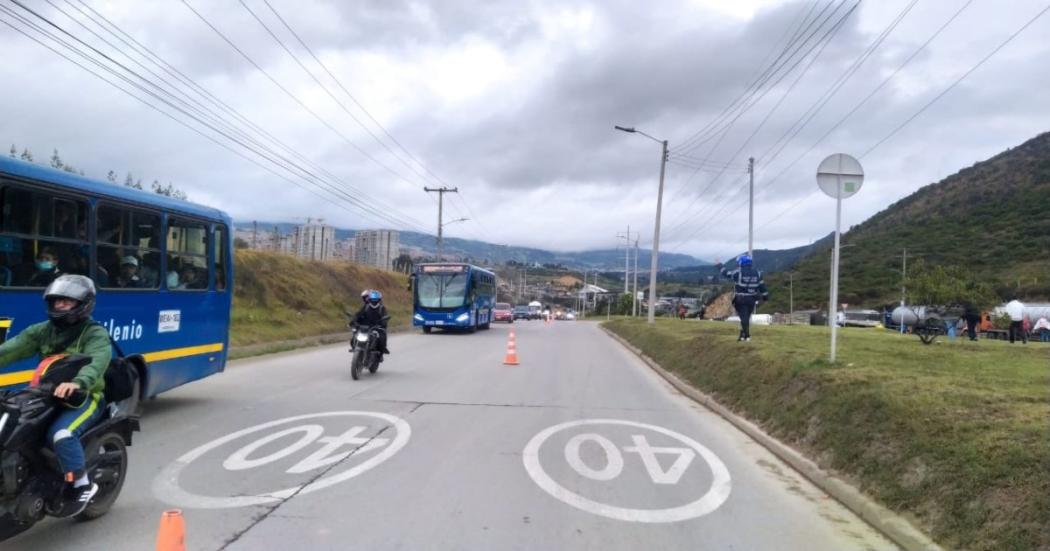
<point x="748" y="290"/>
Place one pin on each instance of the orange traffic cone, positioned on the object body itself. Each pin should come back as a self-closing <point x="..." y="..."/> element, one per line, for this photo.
<point x="512" y="351"/>
<point x="172" y="533"/>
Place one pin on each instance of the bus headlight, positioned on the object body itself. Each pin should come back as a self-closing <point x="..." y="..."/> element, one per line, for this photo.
<point x="417" y="317"/>
<point x="463" y="317"/>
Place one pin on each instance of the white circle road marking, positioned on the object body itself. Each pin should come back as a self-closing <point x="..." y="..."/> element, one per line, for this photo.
<point x="714" y="498"/>
<point x="166" y="484"/>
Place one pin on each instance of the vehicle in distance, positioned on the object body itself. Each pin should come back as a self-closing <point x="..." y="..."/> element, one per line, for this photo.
<point x="521" y="312"/>
<point x="502" y="312"/>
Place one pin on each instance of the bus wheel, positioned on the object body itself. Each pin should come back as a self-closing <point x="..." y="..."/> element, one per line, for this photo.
<point x="427" y="330"/>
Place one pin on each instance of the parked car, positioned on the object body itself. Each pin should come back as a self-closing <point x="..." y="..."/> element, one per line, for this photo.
<point x="503" y="312"/>
<point x="521" y="312"/>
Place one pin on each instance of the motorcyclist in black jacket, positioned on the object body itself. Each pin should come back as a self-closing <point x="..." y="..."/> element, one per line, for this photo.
<point x="748" y="289"/>
<point x="373" y="313"/>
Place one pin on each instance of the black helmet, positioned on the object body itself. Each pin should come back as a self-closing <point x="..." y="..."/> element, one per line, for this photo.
<point x="77" y="287"/>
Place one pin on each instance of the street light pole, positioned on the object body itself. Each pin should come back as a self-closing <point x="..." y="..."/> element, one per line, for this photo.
<point x="656" y="228"/>
<point x="751" y="208"/>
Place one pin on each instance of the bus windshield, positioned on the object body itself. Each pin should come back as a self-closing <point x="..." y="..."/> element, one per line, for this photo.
<point x="442" y="290"/>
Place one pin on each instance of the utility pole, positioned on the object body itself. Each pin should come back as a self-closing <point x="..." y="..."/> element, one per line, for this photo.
<point x="255" y="234"/>
<point x="791" y="296"/>
<point x="441" y="191"/>
<point x="656" y="238"/>
<point x="626" y="260"/>
<point x="751" y="208"/>
<point x="904" y="278"/>
<point x="634" y="294"/>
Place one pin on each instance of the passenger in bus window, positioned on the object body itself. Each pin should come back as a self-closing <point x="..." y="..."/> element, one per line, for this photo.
<point x="149" y="269"/>
<point x="46" y="268"/>
<point x="189" y="277"/>
<point x="129" y="273"/>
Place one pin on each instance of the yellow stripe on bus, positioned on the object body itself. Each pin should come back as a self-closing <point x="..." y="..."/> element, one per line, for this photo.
<point x="18" y="377"/>
<point x="5" y="324"/>
<point x="182" y="352"/>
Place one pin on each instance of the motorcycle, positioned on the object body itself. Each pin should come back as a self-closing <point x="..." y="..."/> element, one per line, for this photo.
<point x="31" y="481"/>
<point x="364" y="345"/>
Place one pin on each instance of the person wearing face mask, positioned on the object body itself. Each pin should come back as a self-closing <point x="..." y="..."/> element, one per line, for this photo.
<point x="129" y="273"/>
<point x="46" y="268"/>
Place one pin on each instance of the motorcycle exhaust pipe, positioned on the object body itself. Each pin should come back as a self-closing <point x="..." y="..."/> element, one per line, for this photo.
<point x="5" y="325"/>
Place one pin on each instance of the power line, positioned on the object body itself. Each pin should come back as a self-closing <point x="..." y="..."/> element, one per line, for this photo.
<point x="143" y="51"/>
<point x="819" y="46"/>
<point x="938" y="96"/>
<point x="206" y="123"/>
<point x="294" y="98"/>
<point x="339" y="83"/>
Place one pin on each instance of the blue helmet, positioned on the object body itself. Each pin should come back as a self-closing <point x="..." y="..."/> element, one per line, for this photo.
<point x="744" y="260"/>
<point x="374" y="297"/>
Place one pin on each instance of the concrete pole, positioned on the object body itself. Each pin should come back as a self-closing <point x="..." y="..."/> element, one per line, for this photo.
<point x="634" y="294"/>
<point x="751" y="208"/>
<point x="656" y="237"/>
<point x="834" y="306"/>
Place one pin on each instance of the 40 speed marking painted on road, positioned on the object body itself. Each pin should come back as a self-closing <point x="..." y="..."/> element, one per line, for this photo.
<point x="711" y="500"/>
<point x="166" y="485"/>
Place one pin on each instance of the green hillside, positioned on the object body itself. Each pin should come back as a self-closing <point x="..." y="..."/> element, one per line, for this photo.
<point x="991" y="220"/>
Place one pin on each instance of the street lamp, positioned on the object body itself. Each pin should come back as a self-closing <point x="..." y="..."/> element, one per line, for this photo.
<point x="656" y="227"/>
<point x="441" y="240"/>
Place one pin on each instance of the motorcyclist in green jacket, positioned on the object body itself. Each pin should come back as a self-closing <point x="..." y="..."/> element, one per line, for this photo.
<point x="70" y="300"/>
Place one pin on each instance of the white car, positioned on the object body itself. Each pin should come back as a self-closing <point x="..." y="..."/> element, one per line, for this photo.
<point x="570" y="316"/>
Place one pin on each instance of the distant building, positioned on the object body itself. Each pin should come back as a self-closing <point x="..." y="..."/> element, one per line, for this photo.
<point x="314" y="242"/>
<point x="377" y="248"/>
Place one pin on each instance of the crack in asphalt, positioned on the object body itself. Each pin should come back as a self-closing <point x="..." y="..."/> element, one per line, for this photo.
<point x="419" y="404"/>
<point x="259" y="518"/>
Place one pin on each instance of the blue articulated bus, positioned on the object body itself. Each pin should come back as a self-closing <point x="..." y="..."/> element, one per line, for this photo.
<point x="162" y="268"/>
<point x="452" y="296"/>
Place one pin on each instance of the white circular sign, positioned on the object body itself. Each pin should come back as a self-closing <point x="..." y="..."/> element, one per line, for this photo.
<point x="166" y="485"/>
<point x="711" y="500"/>
<point x="840" y="176"/>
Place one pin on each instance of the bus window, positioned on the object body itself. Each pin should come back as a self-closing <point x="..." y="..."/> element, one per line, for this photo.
<point x="128" y="248"/>
<point x="220" y="258"/>
<point x="187" y="255"/>
<point x="41" y="237"/>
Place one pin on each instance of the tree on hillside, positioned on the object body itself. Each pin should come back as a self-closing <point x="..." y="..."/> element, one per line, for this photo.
<point x="27" y="155"/>
<point x="947" y="286"/>
<point x="56" y="161"/>
<point x="129" y="181"/>
<point x="169" y="191"/>
<point x="403" y="263"/>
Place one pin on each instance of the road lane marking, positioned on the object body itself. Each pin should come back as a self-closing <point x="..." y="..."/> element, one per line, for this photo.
<point x="166" y="485"/>
<point x="715" y="496"/>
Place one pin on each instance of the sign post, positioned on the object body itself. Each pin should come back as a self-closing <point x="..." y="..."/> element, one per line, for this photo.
<point x="840" y="177"/>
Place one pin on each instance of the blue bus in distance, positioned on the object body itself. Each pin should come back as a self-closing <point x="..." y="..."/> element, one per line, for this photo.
<point x="162" y="268"/>
<point x="452" y="296"/>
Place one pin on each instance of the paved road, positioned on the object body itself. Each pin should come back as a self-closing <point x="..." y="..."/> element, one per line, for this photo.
<point x="456" y="451"/>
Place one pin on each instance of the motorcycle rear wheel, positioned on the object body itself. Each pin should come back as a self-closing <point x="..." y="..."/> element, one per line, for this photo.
<point x="111" y="444"/>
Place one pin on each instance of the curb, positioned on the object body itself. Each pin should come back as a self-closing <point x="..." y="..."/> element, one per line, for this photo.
<point x="892" y="525"/>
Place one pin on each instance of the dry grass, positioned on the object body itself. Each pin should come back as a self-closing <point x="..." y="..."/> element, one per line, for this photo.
<point x="278" y="297"/>
<point x="956" y="434"/>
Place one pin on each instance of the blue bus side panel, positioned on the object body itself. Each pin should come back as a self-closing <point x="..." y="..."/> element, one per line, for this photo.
<point x="134" y="321"/>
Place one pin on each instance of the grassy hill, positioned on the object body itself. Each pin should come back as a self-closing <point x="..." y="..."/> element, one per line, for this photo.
<point x="992" y="220"/>
<point x="278" y="297"/>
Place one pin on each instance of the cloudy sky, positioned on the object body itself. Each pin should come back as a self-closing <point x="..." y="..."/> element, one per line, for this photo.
<point x="514" y="102"/>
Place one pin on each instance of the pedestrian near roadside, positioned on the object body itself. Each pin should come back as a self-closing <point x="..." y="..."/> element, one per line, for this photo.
<point x="972" y="315"/>
<point x="1015" y="309"/>
<point x="748" y="289"/>
<point x="1042" y="327"/>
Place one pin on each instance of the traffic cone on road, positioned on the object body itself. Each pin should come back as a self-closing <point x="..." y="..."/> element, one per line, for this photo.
<point x="172" y="533"/>
<point x="512" y="351"/>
